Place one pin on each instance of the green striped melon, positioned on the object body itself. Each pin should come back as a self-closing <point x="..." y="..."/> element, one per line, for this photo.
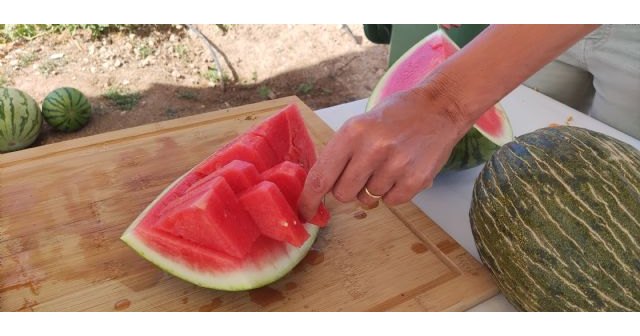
<point x="66" y="109"/>
<point x="556" y="218"/>
<point x="489" y="132"/>
<point x="20" y="120"/>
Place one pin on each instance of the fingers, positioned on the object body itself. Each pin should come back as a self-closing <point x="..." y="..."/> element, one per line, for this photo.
<point x="352" y="180"/>
<point x="393" y="159"/>
<point x="357" y="173"/>
<point x="417" y="175"/>
<point x="405" y="189"/>
<point x="324" y="173"/>
<point x="379" y="184"/>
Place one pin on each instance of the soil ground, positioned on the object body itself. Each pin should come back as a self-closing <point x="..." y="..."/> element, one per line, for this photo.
<point x="161" y="72"/>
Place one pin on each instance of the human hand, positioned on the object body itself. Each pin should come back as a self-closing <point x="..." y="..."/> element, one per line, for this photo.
<point x="394" y="151"/>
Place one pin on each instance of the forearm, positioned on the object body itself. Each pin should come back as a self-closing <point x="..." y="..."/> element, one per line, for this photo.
<point x="495" y="63"/>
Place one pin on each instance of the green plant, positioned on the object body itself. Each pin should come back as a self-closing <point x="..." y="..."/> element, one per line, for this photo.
<point x="50" y="66"/>
<point x="182" y="51"/>
<point x="13" y="32"/>
<point x="214" y="76"/>
<point x="97" y="30"/>
<point x="187" y="94"/>
<point x="4" y="80"/>
<point x="224" y="28"/>
<point x="254" y="76"/>
<point x="145" y="51"/>
<point x="122" y="98"/>
<point x="170" y="112"/>
<point x="304" y="88"/>
<point x="27" y="59"/>
<point x="265" y="92"/>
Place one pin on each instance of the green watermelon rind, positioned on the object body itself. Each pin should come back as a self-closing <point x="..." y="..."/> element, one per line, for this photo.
<point x="240" y="280"/>
<point x="66" y="109"/>
<point x="8" y="134"/>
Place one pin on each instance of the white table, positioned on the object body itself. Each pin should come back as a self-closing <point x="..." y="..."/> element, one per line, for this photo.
<point x="447" y="202"/>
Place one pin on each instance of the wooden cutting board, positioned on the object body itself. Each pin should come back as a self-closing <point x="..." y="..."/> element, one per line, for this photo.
<point x="64" y="206"/>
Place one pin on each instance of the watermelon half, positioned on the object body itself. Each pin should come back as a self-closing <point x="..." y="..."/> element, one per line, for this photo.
<point x="224" y="225"/>
<point x="490" y="132"/>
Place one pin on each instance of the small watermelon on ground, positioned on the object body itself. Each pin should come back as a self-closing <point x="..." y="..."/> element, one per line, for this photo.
<point x="66" y="109"/>
<point x="489" y="132"/>
<point x="556" y="218"/>
<point x="20" y="120"/>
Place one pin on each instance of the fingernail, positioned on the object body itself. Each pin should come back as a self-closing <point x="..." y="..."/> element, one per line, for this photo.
<point x="304" y="212"/>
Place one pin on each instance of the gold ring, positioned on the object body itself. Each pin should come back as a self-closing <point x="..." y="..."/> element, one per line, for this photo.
<point x="370" y="194"/>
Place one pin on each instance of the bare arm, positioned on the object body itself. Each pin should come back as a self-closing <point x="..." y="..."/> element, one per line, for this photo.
<point x="495" y="63"/>
<point x="397" y="148"/>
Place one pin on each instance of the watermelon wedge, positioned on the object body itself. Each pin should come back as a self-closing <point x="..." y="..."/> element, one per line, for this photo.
<point x="273" y="215"/>
<point x="248" y="147"/>
<point x="240" y="175"/>
<point x="202" y="217"/>
<point x="289" y="137"/>
<point x="290" y="178"/>
<point x="490" y="132"/>
<point x="223" y="225"/>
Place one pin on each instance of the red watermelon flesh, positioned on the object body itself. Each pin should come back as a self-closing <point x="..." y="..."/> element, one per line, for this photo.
<point x="248" y="147"/>
<point x="203" y="217"/>
<point x="424" y="58"/>
<point x="198" y="229"/>
<point x="302" y="149"/>
<point x="181" y="188"/>
<point x="273" y="215"/>
<point x="275" y="130"/>
<point x="289" y="137"/>
<point x="198" y="256"/>
<point x="239" y="174"/>
<point x="322" y="216"/>
<point x="265" y="151"/>
<point x="204" y="258"/>
<point x="290" y="178"/>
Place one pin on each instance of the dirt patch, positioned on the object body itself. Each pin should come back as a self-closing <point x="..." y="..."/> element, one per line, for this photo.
<point x="165" y="72"/>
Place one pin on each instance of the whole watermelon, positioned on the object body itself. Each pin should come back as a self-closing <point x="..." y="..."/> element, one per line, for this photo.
<point x="66" y="109"/>
<point x="20" y="120"/>
<point x="556" y="218"/>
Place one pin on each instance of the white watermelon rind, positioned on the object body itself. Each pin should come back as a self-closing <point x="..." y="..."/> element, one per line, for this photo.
<point x="507" y="133"/>
<point x="237" y="280"/>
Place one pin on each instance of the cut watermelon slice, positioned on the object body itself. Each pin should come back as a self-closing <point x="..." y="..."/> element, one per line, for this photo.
<point x="302" y="149"/>
<point x="273" y="215"/>
<point x="239" y="174"/>
<point x="289" y="137"/>
<point x="413" y="67"/>
<point x="199" y="230"/>
<point x="202" y="217"/>
<point x="268" y="260"/>
<point x="322" y="216"/>
<point x="248" y="147"/>
<point x="276" y="132"/>
<point x="290" y="177"/>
